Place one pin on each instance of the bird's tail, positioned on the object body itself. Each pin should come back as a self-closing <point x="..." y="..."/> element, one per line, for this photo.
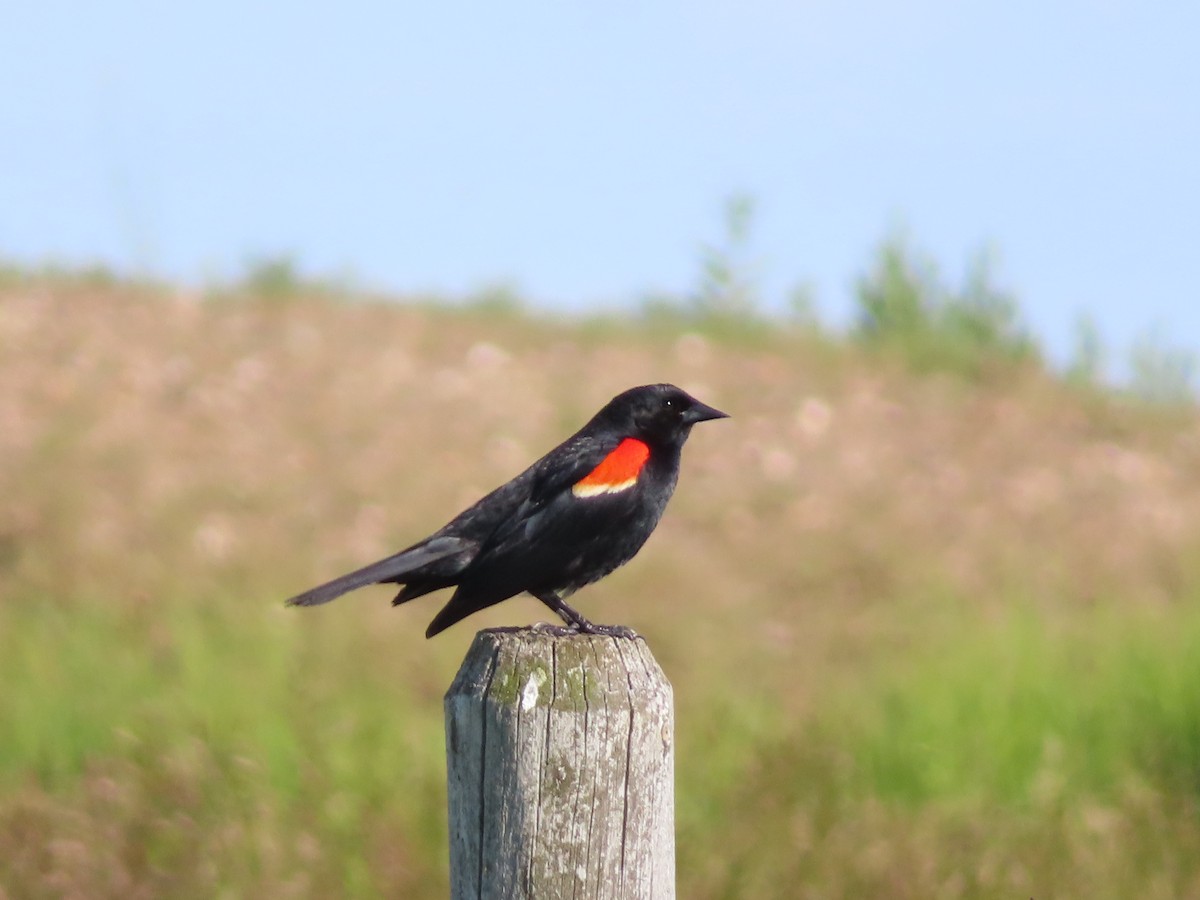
<point x="392" y="569"/>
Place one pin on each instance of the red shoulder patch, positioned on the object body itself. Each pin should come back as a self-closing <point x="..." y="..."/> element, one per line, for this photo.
<point x="616" y="472"/>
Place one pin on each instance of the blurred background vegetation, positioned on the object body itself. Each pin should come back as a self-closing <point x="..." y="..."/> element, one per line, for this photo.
<point x="931" y="605"/>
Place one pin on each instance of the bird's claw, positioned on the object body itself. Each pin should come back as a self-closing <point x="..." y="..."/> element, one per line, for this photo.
<point x="616" y="631"/>
<point x="586" y="627"/>
<point x="622" y="631"/>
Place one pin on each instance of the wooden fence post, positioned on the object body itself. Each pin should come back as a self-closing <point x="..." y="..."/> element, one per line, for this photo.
<point x="560" y="764"/>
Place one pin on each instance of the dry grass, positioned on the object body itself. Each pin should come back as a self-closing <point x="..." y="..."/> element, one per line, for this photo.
<point x="928" y="638"/>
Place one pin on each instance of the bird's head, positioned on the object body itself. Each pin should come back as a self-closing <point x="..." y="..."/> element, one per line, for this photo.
<point x="659" y="413"/>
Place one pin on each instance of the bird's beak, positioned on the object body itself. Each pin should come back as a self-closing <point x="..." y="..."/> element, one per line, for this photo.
<point x="702" y="412"/>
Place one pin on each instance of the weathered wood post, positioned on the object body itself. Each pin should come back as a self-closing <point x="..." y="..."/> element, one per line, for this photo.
<point x="561" y="769"/>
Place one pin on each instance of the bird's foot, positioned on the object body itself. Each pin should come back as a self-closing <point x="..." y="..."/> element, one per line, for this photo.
<point x="580" y="625"/>
<point x="577" y="624"/>
<point x="586" y="627"/>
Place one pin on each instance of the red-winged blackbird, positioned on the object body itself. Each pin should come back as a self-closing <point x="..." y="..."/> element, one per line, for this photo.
<point x="575" y="515"/>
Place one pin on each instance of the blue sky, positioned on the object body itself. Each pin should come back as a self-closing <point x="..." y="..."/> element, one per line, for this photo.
<point x="583" y="151"/>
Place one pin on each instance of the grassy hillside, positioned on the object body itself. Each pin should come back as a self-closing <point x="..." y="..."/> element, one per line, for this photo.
<point x="930" y="635"/>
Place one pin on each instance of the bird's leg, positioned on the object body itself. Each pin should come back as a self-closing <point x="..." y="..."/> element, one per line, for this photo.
<point x="577" y="622"/>
<point x="566" y="613"/>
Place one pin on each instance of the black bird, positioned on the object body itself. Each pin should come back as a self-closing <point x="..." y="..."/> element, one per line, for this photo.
<point x="571" y="518"/>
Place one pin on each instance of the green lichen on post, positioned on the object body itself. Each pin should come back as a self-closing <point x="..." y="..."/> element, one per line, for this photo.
<point x="573" y="659"/>
<point x="512" y="677"/>
<point x="563" y="672"/>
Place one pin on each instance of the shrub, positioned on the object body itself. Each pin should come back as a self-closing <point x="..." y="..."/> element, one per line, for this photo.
<point x="904" y="307"/>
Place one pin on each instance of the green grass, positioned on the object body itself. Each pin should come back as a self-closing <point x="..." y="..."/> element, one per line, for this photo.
<point x="1019" y="711"/>
<point x="245" y="683"/>
<point x="248" y="723"/>
<point x="225" y="717"/>
<point x="995" y="756"/>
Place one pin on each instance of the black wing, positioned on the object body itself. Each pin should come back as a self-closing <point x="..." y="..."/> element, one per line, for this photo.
<point x="517" y="549"/>
<point x="552" y="475"/>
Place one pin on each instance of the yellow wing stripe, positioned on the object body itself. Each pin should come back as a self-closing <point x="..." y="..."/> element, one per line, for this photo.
<point x="583" y="489"/>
